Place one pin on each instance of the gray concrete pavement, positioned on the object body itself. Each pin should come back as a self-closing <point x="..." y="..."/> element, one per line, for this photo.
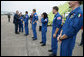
<point x="20" y="45"/>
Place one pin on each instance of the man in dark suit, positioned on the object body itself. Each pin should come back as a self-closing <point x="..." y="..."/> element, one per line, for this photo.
<point x="16" y="22"/>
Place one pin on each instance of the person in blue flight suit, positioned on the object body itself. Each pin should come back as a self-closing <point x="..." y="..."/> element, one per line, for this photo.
<point x="56" y="28"/>
<point x="34" y="24"/>
<point x="44" y="22"/>
<point x="21" y="23"/>
<point x="73" y="24"/>
<point x="26" y="23"/>
<point x="16" y="22"/>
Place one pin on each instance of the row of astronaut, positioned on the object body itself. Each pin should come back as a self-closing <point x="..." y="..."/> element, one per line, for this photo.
<point x="65" y="34"/>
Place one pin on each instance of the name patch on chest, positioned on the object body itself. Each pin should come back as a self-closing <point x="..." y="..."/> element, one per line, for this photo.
<point x="58" y="18"/>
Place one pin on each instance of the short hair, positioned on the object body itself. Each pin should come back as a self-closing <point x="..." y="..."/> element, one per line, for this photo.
<point x="45" y="15"/>
<point x="17" y="11"/>
<point x="26" y="12"/>
<point x="56" y="8"/>
<point x="34" y="10"/>
<point x="80" y="2"/>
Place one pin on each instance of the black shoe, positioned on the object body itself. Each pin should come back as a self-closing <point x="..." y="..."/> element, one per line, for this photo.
<point x="43" y="45"/>
<point x="17" y="33"/>
<point x="50" y="50"/>
<point x="34" y="39"/>
<point x="52" y="54"/>
<point x="26" y="34"/>
<point x="80" y="44"/>
<point x="41" y="42"/>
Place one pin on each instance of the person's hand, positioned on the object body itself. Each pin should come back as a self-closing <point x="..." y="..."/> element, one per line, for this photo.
<point x="54" y="35"/>
<point x="58" y="38"/>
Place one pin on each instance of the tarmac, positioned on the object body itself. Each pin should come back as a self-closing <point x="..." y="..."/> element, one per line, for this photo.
<point x="19" y="45"/>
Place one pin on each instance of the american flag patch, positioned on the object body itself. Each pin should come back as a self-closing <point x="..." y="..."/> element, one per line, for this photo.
<point x="58" y="18"/>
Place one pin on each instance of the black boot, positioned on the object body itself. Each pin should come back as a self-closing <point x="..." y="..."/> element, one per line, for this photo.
<point x="17" y="33"/>
<point x="26" y="34"/>
<point x="32" y="37"/>
<point x="43" y="45"/>
<point x="41" y="42"/>
<point x="81" y="44"/>
<point x="50" y="50"/>
<point x="52" y="54"/>
<point x="35" y="39"/>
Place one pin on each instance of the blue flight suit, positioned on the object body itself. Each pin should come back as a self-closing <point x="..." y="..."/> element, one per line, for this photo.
<point x="35" y="18"/>
<point x="44" y="29"/>
<point x="16" y="22"/>
<point x="73" y="24"/>
<point x="21" y="24"/>
<point x="57" y="21"/>
<point x="26" y="24"/>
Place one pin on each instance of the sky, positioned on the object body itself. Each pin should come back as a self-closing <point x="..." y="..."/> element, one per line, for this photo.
<point x="22" y="6"/>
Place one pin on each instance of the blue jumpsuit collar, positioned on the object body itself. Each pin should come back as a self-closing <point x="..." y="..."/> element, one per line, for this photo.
<point x="46" y="18"/>
<point x="75" y="9"/>
<point x="56" y="14"/>
<point x="26" y="14"/>
<point x="34" y="13"/>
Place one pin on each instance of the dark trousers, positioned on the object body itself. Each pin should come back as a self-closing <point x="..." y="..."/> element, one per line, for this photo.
<point x="8" y="19"/>
<point x="16" y="28"/>
<point x="40" y="27"/>
<point x="82" y="40"/>
<point x="20" y="27"/>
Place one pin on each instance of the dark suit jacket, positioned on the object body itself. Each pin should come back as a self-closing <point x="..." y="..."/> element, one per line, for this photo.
<point x="16" y="19"/>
